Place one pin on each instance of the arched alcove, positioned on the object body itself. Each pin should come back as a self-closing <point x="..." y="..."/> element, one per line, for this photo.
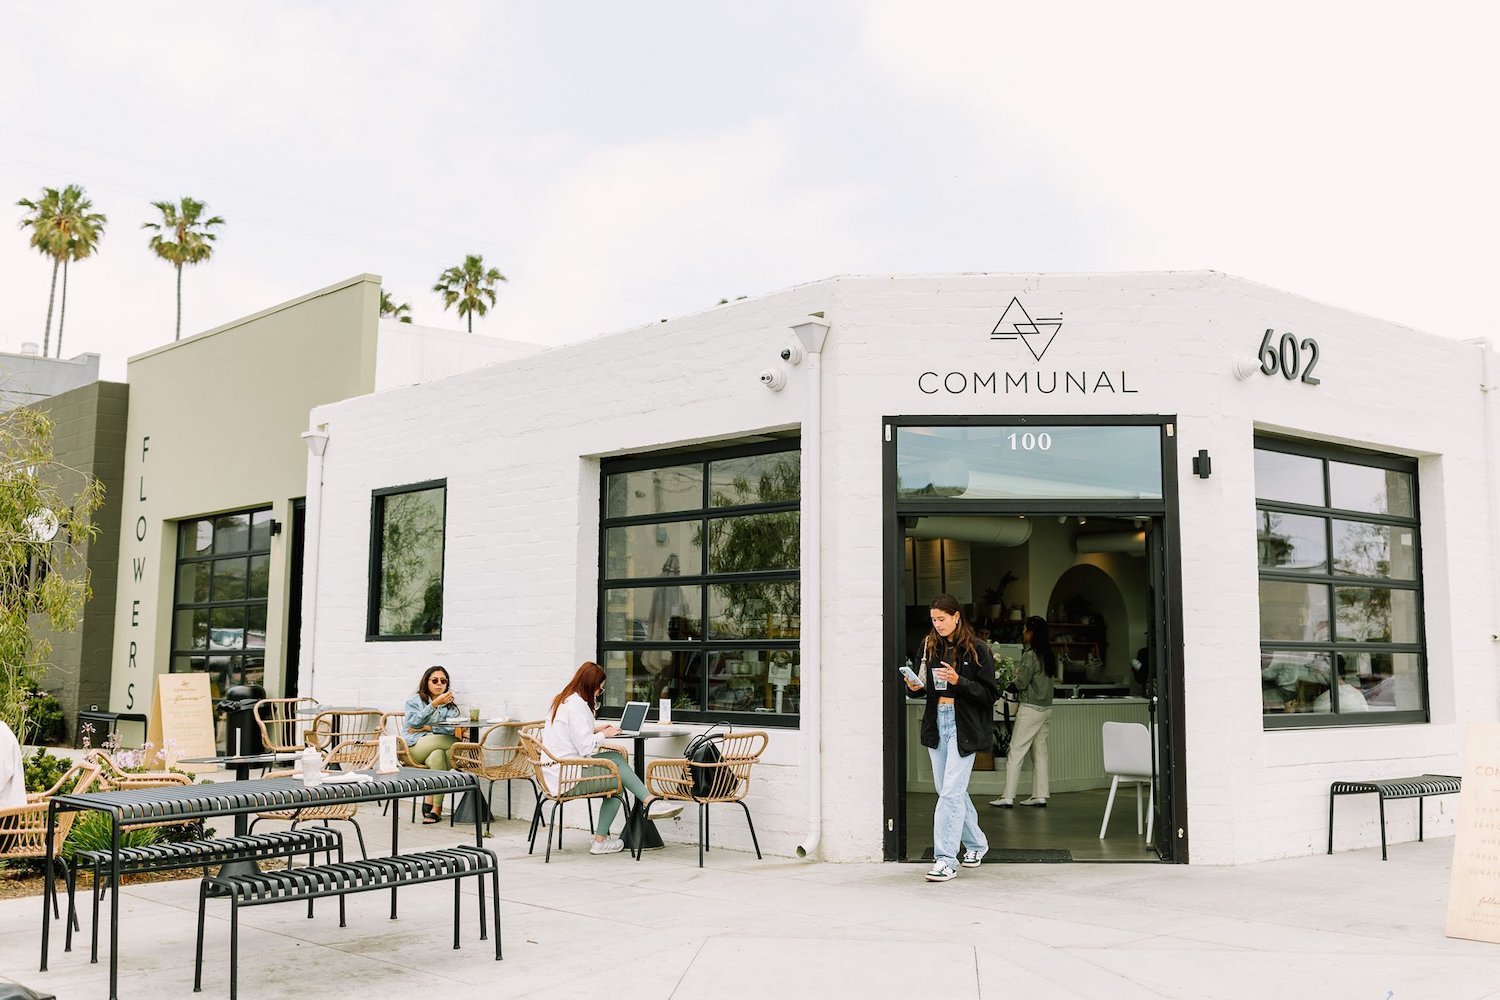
<point x="1104" y="599"/>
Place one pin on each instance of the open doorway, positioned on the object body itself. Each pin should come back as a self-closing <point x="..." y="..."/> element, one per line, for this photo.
<point x="1095" y="580"/>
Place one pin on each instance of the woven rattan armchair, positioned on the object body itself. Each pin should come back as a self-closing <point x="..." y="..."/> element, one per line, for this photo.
<point x="347" y="738"/>
<point x="726" y="781"/>
<point x="574" y="778"/>
<point x="344" y="813"/>
<point x="282" y="721"/>
<point x="23" y="829"/>
<point x="494" y="762"/>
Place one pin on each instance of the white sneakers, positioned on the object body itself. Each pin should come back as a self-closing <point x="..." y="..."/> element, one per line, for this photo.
<point x="609" y="845"/>
<point x="658" y="809"/>
<point x="942" y="872"/>
<point x="971" y="858"/>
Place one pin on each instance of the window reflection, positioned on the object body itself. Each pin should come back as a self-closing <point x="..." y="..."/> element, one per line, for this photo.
<point x="1288" y="478"/>
<point x="1366" y="488"/>
<point x="1291" y="541"/>
<point x="1000" y="462"/>
<point x="408" y="584"/>
<point x="1380" y="550"/>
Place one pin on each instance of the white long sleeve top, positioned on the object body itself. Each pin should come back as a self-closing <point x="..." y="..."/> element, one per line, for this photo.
<point x="570" y="733"/>
<point x="12" y="770"/>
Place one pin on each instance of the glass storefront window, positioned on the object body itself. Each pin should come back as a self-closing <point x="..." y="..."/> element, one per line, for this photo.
<point x="223" y="580"/>
<point x="1352" y="616"/>
<point x="712" y="627"/>
<point x="992" y="462"/>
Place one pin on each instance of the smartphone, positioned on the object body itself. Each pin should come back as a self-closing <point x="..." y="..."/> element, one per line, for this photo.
<point x="911" y="675"/>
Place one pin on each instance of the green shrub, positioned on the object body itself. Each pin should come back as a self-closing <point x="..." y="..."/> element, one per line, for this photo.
<point x="45" y="724"/>
<point x="91" y="832"/>
<point x="43" y="769"/>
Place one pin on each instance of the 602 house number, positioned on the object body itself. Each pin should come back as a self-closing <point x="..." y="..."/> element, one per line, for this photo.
<point x="1286" y="356"/>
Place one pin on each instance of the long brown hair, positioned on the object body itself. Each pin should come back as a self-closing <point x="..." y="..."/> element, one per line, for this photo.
<point x="963" y="635"/>
<point x="427" y="675"/>
<point x="585" y="684"/>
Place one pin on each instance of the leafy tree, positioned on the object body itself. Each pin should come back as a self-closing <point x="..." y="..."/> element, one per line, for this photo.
<point x="64" y="227"/>
<point x="42" y="534"/>
<point x="183" y="236"/>
<point x="389" y="307"/>
<point x="470" y="286"/>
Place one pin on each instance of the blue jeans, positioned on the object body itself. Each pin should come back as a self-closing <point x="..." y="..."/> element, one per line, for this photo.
<point x="954" y="817"/>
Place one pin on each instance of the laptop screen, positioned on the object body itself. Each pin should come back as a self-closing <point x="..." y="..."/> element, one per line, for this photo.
<point x="634" y="716"/>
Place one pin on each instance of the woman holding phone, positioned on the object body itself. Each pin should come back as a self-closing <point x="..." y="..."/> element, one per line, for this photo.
<point x="957" y="677"/>
<point x="431" y="717"/>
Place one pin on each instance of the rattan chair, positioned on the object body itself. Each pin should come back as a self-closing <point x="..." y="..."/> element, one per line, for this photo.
<point x="726" y="781"/>
<point x="494" y="762"/>
<point x="574" y="778"/>
<point x="282" y="722"/>
<point x="347" y="738"/>
<point x="344" y="813"/>
<point x="23" y="829"/>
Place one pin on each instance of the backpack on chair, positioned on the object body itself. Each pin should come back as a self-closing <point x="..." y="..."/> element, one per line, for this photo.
<point x="703" y="750"/>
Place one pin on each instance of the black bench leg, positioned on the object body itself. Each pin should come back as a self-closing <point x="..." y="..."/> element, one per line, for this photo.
<point x="1382" y="826"/>
<point x="94" y="931"/>
<point x="1331" y="797"/>
<point x="72" y="874"/>
<point x="1421" y="801"/>
<point x="457" y="903"/>
<point x="234" y="950"/>
<point x="702" y="830"/>
<point x="198" y="960"/>
<point x="495" y="885"/>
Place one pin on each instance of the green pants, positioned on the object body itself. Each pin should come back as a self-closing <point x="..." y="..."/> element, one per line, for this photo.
<point x="432" y="751"/>
<point x="610" y="807"/>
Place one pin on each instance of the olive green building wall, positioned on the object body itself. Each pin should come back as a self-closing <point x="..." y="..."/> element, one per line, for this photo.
<point x="215" y="425"/>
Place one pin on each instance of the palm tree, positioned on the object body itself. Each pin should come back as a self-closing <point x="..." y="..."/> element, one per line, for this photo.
<point x="193" y="242"/>
<point x="64" y="227"/>
<point x="470" y="285"/>
<point x="388" y="307"/>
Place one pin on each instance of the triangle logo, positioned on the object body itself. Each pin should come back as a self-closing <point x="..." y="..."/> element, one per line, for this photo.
<point x="1016" y="323"/>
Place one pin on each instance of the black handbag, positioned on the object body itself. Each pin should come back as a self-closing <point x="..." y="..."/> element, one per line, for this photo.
<point x="702" y="750"/>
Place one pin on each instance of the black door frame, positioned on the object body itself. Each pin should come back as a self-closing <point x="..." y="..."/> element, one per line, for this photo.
<point x="1173" y="835"/>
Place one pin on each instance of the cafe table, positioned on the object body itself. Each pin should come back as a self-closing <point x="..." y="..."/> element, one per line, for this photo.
<point x="650" y="837"/>
<point x="144" y="806"/>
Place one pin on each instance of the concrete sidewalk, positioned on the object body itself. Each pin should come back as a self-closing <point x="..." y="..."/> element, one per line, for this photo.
<point x="1341" y="926"/>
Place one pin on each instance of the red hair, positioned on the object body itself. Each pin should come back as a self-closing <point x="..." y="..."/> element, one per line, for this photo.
<point x="585" y="683"/>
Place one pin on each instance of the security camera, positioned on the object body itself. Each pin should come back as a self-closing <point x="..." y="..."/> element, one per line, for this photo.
<point x="773" y="379"/>
<point x="792" y="354"/>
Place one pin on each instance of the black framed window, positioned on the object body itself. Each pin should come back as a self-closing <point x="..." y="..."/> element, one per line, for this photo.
<point x="407" y="533"/>
<point x="700" y="582"/>
<point x="222" y="582"/>
<point x="1338" y="549"/>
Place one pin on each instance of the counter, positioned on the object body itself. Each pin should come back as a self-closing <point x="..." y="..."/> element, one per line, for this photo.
<point x="1075" y="747"/>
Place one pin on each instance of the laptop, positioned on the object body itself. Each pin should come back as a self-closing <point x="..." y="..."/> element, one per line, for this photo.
<point x="633" y="717"/>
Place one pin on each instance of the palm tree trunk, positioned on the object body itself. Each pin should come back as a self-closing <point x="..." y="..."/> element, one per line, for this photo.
<point x="178" y="335"/>
<point x="62" y="313"/>
<point x="51" y="297"/>
<point x="471" y="322"/>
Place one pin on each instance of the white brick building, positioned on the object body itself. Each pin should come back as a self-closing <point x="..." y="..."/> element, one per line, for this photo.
<point x="1400" y="632"/>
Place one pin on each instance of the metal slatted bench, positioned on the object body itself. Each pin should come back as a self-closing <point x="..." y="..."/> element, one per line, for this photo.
<point x="310" y="883"/>
<point x="202" y="854"/>
<point x="1418" y="788"/>
<point x="141" y="807"/>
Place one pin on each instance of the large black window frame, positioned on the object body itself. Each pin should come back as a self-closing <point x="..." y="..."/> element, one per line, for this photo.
<point x="220" y="597"/>
<point x="717" y="626"/>
<point x="1365" y="663"/>
<point x="425" y="622"/>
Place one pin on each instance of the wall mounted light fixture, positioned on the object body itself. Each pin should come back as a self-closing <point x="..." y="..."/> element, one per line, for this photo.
<point x="275" y="527"/>
<point x="1203" y="466"/>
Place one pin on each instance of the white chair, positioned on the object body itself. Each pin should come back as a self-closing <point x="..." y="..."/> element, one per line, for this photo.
<point x="1127" y="756"/>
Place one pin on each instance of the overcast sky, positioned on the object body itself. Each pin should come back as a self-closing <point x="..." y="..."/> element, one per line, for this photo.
<point x="625" y="162"/>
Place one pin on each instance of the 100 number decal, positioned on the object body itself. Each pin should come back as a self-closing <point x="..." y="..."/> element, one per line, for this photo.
<point x="1286" y="356"/>
<point x="1030" y="442"/>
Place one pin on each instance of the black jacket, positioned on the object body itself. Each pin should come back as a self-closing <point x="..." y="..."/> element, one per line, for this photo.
<point x="973" y="697"/>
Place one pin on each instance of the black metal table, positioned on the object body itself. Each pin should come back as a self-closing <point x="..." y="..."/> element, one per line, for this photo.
<point x="241" y="764"/>
<point x="649" y="835"/>
<point x="138" y="807"/>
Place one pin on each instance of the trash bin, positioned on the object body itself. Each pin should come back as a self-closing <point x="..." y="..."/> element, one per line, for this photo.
<point x="241" y="734"/>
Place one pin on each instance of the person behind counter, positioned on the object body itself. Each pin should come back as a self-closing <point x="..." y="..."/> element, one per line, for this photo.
<point x="960" y="691"/>
<point x="430" y="715"/>
<point x="1033" y="717"/>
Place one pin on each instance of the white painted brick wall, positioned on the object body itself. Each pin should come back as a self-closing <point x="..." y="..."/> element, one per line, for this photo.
<point x="519" y="443"/>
